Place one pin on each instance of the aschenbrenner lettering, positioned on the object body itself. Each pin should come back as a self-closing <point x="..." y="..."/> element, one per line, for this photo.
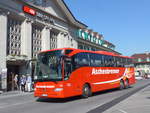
<point x="104" y="71"/>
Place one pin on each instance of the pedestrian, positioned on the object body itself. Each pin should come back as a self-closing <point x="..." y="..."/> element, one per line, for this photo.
<point x="29" y="83"/>
<point x="11" y="82"/>
<point x="16" y="82"/>
<point x="23" y="82"/>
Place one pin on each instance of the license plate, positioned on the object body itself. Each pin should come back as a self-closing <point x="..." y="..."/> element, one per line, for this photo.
<point x="44" y="95"/>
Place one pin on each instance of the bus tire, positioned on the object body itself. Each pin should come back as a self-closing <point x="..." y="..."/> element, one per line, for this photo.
<point x="86" y="91"/>
<point x="127" y="83"/>
<point x="122" y="86"/>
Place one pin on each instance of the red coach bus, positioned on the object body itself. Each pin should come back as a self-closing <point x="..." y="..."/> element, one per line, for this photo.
<point x="67" y="72"/>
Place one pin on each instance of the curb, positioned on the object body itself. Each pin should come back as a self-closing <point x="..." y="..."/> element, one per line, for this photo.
<point x="14" y="95"/>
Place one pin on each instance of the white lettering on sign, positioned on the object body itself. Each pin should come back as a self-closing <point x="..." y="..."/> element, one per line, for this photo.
<point x="41" y="15"/>
<point x="45" y="86"/>
<point x="105" y="71"/>
<point x="32" y="11"/>
<point x="44" y="17"/>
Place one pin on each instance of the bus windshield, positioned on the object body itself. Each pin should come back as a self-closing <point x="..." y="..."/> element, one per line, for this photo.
<point x="48" y="66"/>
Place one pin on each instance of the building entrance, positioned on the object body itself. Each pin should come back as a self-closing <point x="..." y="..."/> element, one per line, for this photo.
<point x="12" y="71"/>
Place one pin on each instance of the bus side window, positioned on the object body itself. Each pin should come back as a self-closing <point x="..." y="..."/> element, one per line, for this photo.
<point x="124" y="62"/>
<point x="83" y="59"/>
<point x="121" y="62"/>
<point x="110" y="61"/>
<point x="92" y="60"/>
<point x="102" y="61"/>
<point x="127" y="61"/>
<point x="75" y="62"/>
<point x="67" y="67"/>
<point x="96" y="60"/>
<point x="117" y="62"/>
<point x="80" y="60"/>
<point x="113" y="61"/>
<point x="106" y="61"/>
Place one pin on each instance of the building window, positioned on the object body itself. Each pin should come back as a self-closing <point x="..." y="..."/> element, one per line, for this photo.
<point x="86" y="47"/>
<point x="135" y="60"/>
<point x="53" y="40"/>
<point x="37" y="2"/>
<point x="93" y="49"/>
<point x="80" y="46"/>
<point x="139" y="60"/>
<point x="36" y="40"/>
<point x="148" y="59"/>
<point x="14" y="37"/>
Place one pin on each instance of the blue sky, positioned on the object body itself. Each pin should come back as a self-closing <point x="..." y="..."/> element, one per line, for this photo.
<point x="125" y="23"/>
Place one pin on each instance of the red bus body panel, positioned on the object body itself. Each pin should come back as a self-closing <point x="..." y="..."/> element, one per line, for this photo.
<point x="99" y="78"/>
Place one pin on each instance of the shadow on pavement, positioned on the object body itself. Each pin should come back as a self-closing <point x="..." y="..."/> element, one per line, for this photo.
<point x="75" y="98"/>
<point x="148" y="97"/>
<point x="108" y="91"/>
<point x="58" y="100"/>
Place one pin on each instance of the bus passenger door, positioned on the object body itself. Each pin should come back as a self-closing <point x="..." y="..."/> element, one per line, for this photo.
<point x="68" y="84"/>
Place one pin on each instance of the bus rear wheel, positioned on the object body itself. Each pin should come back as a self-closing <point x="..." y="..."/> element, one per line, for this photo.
<point x="127" y="83"/>
<point x="86" y="91"/>
<point x="122" y="86"/>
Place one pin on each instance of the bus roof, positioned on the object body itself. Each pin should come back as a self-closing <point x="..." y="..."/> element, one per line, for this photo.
<point x="75" y="51"/>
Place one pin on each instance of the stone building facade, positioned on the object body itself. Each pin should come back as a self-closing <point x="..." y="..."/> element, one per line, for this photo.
<point x="30" y="26"/>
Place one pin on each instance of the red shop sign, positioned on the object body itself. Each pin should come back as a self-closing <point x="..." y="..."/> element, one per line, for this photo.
<point x="29" y="10"/>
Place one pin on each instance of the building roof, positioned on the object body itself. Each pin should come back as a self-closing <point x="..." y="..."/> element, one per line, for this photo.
<point x="141" y="58"/>
<point x="141" y="55"/>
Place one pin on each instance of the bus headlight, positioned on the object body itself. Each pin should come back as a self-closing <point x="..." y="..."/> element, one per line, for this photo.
<point x="58" y="89"/>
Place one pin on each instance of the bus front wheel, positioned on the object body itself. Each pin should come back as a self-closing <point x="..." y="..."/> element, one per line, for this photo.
<point x="86" y="91"/>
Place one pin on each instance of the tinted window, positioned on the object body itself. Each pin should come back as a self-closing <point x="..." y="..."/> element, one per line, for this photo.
<point x="49" y="66"/>
<point x="108" y="61"/>
<point x="68" y="51"/>
<point x="96" y="60"/>
<point x="80" y="60"/>
<point x="129" y="63"/>
<point x="118" y="61"/>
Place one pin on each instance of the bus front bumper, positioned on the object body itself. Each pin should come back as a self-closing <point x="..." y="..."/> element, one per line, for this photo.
<point x="56" y="93"/>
